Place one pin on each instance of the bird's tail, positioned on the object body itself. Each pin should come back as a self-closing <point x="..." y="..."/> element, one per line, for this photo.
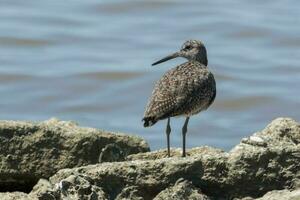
<point x="149" y="121"/>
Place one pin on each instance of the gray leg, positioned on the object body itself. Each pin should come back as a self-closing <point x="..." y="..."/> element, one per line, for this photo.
<point x="184" y="130"/>
<point x="168" y="131"/>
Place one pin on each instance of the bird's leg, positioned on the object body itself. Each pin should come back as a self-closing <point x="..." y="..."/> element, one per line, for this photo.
<point x="184" y="130"/>
<point x="168" y="131"/>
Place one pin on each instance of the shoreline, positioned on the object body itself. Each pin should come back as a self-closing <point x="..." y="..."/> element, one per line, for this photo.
<point x="58" y="160"/>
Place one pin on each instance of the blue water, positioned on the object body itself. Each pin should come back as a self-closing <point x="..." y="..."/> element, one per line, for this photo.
<point x="89" y="62"/>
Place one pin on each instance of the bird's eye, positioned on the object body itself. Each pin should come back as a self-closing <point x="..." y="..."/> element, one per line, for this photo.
<point x="188" y="47"/>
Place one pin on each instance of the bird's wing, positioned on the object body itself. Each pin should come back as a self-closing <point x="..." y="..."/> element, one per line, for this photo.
<point x="172" y="91"/>
<point x="163" y="99"/>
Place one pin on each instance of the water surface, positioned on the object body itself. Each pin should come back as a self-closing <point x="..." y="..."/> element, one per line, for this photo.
<point x="89" y="61"/>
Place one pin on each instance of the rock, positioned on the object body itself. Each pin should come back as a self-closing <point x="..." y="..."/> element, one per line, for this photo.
<point x="213" y="161"/>
<point x="41" y="190"/>
<point x="131" y="192"/>
<point x="147" y="177"/>
<point x="278" y="195"/>
<point x="270" y="157"/>
<point x="281" y="194"/>
<point x="265" y="165"/>
<point x="30" y="151"/>
<point x="181" y="190"/>
<point x="154" y="155"/>
<point x="273" y="165"/>
<point x="77" y="187"/>
<point x="268" y="160"/>
<point x="16" y="196"/>
<point x="111" y="153"/>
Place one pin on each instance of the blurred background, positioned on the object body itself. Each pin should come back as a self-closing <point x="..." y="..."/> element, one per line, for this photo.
<point x="90" y="62"/>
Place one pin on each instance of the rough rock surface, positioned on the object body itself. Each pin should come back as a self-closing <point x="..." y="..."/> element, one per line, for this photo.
<point x="16" y="196"/>
<point x="30" y="151"/>
<point x="181" y="190"/>
<point x="265" y="166"/>
<point x="130" y="192"/>
<point x="282" y="194"/>
<point x="278" y="195"/>
<point x="148" y="177"/>
<point x="268" y="160"/>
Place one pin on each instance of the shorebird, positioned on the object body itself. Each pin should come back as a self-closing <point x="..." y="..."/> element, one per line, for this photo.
<point x="185" y="90"/>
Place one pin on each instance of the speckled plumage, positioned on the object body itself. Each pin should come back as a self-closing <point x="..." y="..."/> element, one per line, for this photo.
<point x="182" y="91"/>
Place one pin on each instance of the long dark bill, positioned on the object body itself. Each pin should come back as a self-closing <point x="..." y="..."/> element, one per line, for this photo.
<point x="169" y="57"/>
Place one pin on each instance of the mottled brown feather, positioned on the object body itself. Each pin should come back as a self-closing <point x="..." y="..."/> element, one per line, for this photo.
<point x="184" y="90"/>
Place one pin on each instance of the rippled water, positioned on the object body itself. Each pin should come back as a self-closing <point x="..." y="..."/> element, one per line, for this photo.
<point x="89" y="62"/>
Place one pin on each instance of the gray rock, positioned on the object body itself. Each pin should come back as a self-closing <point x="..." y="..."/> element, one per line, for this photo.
<point x="78" y="188"/>
<point x="147" y="177"/>
<point x="273" y="165"/>
<point x="282" y="194"/>
<point x="16" y="196"/>
<point x="266" y="161"/>
<point x="131" y="192"/>
<point x="30" y="151"/>
<point x="41" y="190"/>
<point x="183" y="190"/>
<point x="72" y="187"/>
<point x="198" y="151"/>
<point x="111" y="153"/>
<point x="278" y="195"/>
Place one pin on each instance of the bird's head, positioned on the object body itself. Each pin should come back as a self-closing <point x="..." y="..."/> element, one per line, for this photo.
<point x="193" y="50"/>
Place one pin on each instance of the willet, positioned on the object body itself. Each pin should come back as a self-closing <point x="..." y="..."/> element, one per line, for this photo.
<point x="182" y="91"/>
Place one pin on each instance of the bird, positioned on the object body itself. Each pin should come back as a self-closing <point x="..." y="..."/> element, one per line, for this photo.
<point x="184" y="90"/>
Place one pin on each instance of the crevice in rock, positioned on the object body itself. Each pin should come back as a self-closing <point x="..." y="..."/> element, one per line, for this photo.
<point x="25" y="187"/>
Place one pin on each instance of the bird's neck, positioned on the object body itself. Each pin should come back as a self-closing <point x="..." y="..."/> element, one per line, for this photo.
<point x="201" y="56"/>
<point x="202" y="59"/>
